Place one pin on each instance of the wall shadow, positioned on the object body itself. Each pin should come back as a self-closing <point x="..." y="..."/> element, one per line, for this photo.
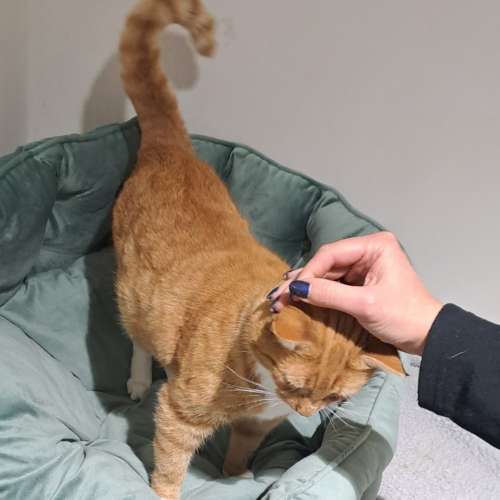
<point x="107" y="101"/>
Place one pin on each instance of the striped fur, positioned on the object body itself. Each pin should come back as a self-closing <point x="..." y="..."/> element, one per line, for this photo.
<point x="192" y="282"/>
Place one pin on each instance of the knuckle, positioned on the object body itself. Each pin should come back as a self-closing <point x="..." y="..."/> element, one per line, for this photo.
<point x="369" y="304"/>
<point x="388" y="238"/>
<point x="324" y="248"/>
<point x="328" y="292"/>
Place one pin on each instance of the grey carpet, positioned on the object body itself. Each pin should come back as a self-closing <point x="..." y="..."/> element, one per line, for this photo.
<point x="436" y="460"/>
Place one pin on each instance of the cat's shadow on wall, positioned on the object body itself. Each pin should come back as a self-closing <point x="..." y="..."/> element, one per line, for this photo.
<point x="107" y="102"/>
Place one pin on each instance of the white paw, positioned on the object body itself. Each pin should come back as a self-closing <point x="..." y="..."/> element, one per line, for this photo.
<point x="136" y="388"/>
<point x="246" y="475"/>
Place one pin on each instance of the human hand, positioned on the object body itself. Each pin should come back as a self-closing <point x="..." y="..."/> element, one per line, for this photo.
<point x="379" y="288"/>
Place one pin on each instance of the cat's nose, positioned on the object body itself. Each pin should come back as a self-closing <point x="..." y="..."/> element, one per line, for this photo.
<point x="306" y="411"/>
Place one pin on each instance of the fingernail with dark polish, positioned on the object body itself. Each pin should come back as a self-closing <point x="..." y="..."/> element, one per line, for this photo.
<point x="271" y="293"/>
<point x="285" y="276"/>
<point x="273" y="304"/>
<point x="300" y="289"/>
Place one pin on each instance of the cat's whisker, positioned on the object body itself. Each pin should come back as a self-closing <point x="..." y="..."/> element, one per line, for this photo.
<point x="245" y="403"/>
<point x="330" y="416"/>
<point x="347" y="410"/>
<point x="343" y="421"/>
<point x="247" y="389"/>
<point x="245" y="395"/>
<point x="258" y="404"/>
<point x="351" y="412"/>
<point x="335" y="414"/>
<point x="343" y="405"/>
<point x="245" y="379"/>
<point x="278" y="403"/>
<point x="331" y="419"/>
<point x="248" y="401"/>
<point x="354" y="415"/>
<point x="243" y="387"/>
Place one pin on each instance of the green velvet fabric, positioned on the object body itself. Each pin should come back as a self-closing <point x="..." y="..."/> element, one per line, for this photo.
<point x="68" y="429"/>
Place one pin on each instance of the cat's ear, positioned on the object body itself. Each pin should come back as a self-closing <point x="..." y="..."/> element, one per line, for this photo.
<point x="292" y="326"/>
<point x="378" y="354"/>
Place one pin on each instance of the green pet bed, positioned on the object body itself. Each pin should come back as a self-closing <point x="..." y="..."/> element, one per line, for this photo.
<point x="68" y="429"/>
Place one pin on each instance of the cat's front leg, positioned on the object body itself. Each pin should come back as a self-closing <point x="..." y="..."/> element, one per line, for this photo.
<point x="141" y="376"/>
<point x="176" y="440"/>
<point x="246" y="435"/>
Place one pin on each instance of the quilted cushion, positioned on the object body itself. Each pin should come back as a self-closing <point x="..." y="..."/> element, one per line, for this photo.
<point x="67" y="427"/>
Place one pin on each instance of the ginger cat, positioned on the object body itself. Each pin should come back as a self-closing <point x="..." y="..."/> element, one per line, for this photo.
<point x="192" y="284"/>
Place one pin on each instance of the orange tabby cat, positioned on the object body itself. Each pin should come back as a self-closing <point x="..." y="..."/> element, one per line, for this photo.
<point x="192" y="285"/>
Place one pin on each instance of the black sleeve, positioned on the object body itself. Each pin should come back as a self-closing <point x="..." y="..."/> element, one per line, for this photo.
<point x="460" y="372"/>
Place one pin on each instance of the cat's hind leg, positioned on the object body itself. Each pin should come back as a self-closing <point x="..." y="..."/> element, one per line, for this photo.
<point x="141" y="376"/>
<point x="246" y="435"/>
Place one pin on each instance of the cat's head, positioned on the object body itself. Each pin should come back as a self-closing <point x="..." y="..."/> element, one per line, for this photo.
<point x="319" y="356"/>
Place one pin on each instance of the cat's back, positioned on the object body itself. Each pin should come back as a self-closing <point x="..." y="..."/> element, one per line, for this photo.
<point x="172" y="204"/>
<point x="175" y="230"/>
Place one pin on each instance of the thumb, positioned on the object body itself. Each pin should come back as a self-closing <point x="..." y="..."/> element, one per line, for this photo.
<point x="331" y="294"/>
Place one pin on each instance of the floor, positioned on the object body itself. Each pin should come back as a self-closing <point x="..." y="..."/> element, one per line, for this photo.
<point x="436" y="460"/>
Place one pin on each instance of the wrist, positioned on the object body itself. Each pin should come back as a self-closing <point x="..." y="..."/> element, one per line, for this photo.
<point x="428" y="313"/>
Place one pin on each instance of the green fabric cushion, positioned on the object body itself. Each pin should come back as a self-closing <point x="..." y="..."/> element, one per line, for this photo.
<point x="68" y="429"/>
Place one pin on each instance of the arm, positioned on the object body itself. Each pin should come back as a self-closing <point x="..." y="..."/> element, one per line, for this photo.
<point x="460" y="372"/>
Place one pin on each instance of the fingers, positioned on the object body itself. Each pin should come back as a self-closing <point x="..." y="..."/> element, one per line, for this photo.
<point x="290" y="275"/>
<point x="347" y="253"/>
<point x="323" y="293"/>
<point x="333" y="274"/>
<point x="279" y="299"/>
<point x="336" y="274"/>
<point x="350" y="259"/>
<point x="342" y="254"/>
<point x="334" y="295"/>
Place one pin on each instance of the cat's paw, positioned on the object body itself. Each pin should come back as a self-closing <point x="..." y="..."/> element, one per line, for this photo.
<point x="136" y="388"/>
<point x="248" y="474"/>
<point x="233" y="472"/>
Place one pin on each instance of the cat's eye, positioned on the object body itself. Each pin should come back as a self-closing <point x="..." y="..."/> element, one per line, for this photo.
<point x="300" y="392"/>
<point x="331" y="398"/>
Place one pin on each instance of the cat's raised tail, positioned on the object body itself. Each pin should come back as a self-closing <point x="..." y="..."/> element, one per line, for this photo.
<point x="145" y="82"/>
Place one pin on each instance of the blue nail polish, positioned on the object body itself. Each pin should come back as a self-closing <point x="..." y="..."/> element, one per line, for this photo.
<point x="285" y="276"/>
<point x="273" y="304"/>
<point x="300" y="289"/>
<point x="271" y="293"/>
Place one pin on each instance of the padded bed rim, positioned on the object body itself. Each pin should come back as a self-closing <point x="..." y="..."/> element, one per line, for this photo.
<point x="37" y="147"/>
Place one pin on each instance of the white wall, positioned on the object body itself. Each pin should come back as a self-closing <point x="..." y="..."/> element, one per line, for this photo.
<point x="13" y="69"/>
<point x="397" y="104"/>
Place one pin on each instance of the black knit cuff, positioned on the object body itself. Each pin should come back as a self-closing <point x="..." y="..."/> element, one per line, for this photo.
<point x="447" y="340"/>
<point x="460" y="372"/>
